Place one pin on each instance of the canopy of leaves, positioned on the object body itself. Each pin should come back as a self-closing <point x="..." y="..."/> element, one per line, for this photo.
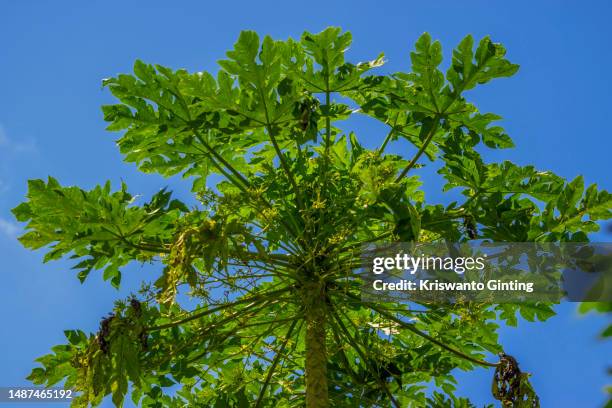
<point x="297" y="198"/>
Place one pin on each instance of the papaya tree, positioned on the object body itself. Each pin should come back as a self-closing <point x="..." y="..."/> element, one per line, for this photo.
<point x="269" y="244"/>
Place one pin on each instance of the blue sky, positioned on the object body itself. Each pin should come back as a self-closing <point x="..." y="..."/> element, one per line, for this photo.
<point x="53" y="58"/>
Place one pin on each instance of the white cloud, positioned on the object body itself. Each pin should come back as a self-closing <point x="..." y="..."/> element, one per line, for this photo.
<point x="9" y="228"/>
<point x="3" y="138"/>
<point x="11" y="147"/>
<point x="11" y="151"/>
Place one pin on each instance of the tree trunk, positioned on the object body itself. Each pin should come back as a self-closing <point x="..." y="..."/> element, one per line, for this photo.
<point x="316" y="354"/>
